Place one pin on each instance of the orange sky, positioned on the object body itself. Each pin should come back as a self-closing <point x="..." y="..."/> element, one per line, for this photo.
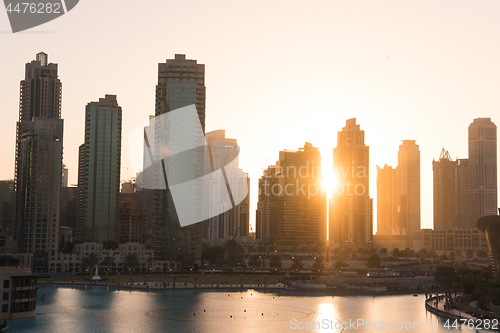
<point x="277" y="73"/>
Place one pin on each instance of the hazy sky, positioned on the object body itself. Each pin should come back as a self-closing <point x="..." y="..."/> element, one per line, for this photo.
<point x="278" y="73"/>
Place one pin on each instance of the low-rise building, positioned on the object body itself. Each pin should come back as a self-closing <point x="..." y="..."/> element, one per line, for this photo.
<point x="453" y="240"/>
<point x="17" y="287"/>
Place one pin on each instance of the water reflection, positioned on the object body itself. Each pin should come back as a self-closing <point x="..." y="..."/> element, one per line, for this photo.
<point x="107" y="309"/>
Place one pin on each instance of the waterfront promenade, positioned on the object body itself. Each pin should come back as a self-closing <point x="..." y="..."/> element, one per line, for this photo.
<point x="437" y="306"/>
<point x="168" y="285"/>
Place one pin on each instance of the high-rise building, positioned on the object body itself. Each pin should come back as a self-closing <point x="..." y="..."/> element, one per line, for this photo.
<point x="301" y="201"/>
<point x="99" y="170"/>
<point x="265" y="221"/>
<point x="351" y="208"/>
<point x="482" y="169"/>
<point x="387" y="200"/>
<point x="462" y="193"/>
<point x="7" y="205"/>
<point x="132" y="222"/>
<point x="225" y="224"/>
<point x="38" y="169"/>
<point x="69" y="209"/>
<point x="181" y="83"/>
<point x="409" y="187"/>
<point x="445" y="192"/>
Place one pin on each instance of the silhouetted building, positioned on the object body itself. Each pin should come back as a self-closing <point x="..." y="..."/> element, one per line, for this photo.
<point x="38" y="170"/>
<point x="69" y="208"/>
<point x="65" y="175"/>
<point x="351" y="208"/>
<point x="454" y="241"/>
<point x="132" y="222"/>
<point x="482" y="169"/>
<point x="301" y="202"/>
<point x="462" y="193"/>
<point x="132" y="226"/>
<point x="99" y="170"/>
<point x="7" y="205"/>
<point x="181" y="83"/>
<point x="490" y="225"/>
<point x="444" y="192"/>
<point x="18" y="288"/>
<point x="387" y="200"/>
<point x="265" y="221"/>
<point x="409" y="187"/>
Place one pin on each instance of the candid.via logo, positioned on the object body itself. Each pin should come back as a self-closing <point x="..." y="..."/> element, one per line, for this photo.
<point x="26" y="14"/>
<point x="170" y="151"/>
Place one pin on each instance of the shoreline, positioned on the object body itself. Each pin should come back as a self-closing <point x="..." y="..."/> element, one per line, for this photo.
<point x="145" y="286"/>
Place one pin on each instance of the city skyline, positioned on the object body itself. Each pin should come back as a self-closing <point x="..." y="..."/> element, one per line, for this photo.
<point x="43" y="57"/>
<point x="408" y="90"/>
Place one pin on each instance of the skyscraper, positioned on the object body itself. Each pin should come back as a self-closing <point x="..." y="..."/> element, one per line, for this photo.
<point x="444" y="192"/>
<point x="387" y="200"/>
<point x="301" y="202"/>
<point x="181" y="83"/>
<point x="462" y="193"/>
<point x="482" y="169"/>
<point x="38" y="169"/>
<point x="409" y="187"/>
<point x="265" y="221"/>
<point x="99" y="170"/>
<point x="351" y="208"/>
<point x="225" y="224"/>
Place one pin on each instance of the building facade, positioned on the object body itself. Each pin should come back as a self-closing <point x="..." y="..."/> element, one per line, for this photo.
<point x="301" y="199"/>
<point x="267" y="206"/>
<point x="17" y="287"/>
<point x="351" y="208"/>
<point x="7" y="205"/>
<point x="181" y="83"/>
<point x="387" y="200"/>
<point x="483" y="195"/>
<point x="38" y="168"/>
<point x="444" y="192"/>
<point x="99" y="170"/>
<point x="409" y="187"/>
<point x="225" y="223"/>
<point x="455" y="240"/>
<point x="462" y="193"/>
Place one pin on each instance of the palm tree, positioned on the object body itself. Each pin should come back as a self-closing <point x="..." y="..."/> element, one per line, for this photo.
<point x="108" y="261"/>
<point x="275" y="262"/>
<point x="254" y="261"/>
<point x="447" y="277"/>
<point x="131" y="261"/>
<point x="89" y="262"/>
<point x="297" y="263"/>
<point x="469" y="254"/>
<point x="150" y="261"/>
<point x="482" y="254"/>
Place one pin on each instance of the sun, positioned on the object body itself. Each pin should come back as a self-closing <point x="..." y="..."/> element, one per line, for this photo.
<point x="329" y="182"/>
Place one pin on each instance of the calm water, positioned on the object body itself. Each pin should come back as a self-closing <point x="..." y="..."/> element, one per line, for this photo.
<point x="102" y="309"/>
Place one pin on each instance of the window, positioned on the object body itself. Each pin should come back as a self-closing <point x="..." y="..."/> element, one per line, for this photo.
<point x="6" y="283"/>
<point x="5" y="296"/>
<point x="5" y="308"/>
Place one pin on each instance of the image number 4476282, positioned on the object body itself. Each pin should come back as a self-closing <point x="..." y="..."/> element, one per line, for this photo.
<point x="25" y="14"/>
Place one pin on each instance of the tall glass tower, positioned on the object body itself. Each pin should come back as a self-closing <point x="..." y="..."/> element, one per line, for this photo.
<point x="181" y="83"/>
<point x="409" y="187"/>
<point x="38" y="169"/>
<point x="482" y="169"/>
<point x="351" y="208"/>
<point x="99" y="171"/>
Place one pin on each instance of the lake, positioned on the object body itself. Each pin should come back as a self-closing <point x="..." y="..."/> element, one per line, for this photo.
<point x="110" y="309"/>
